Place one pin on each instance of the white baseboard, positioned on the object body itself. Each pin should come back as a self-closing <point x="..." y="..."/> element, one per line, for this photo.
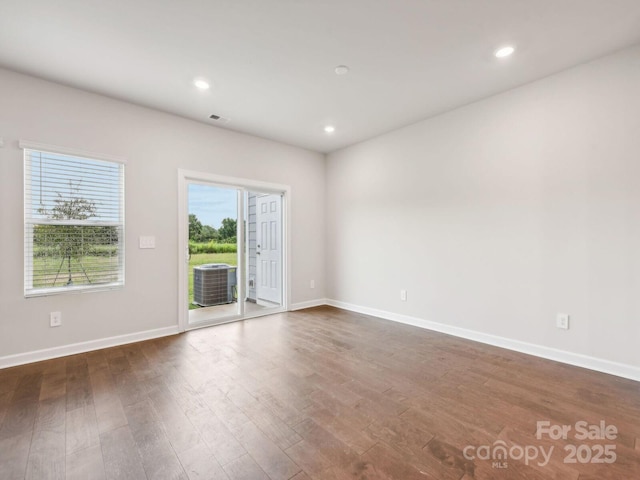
<point x="579" y="360"/>
<point x="585" y="361"/>
<point x="82" y="347"/>
<point x="311" y="303"/>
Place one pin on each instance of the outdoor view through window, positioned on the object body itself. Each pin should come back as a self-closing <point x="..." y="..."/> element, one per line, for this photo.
<point x="74" y="223"/>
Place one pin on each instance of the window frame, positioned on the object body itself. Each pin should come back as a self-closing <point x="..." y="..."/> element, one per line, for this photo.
<point x="30" y="222"/>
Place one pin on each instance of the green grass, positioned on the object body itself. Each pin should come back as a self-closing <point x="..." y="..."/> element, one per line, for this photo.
<point x="46" y="269"/>
<point x="91" y="270"/>
<point x="201" y="259"/>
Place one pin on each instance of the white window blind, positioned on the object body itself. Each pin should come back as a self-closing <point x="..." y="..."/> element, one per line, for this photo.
<point x="74" y="223"/>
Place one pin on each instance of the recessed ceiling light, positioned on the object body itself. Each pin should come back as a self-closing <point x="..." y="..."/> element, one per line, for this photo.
<point x="504" y="51"/>
<point x="201" y="84"/>
<point x="341" y="70"/>
<point x="329" y="129"/>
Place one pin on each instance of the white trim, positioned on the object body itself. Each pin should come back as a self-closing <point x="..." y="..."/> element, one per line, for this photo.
<point x="43" y="147"/>
<point x="287" y="276"/>
<point x="73" y="289"/>
<point x="234" y="318"/>
<point x="234" y="182"/>
<point x="183" y="252"/>
<point x="88" y="223"/>
<point x="82" y="347"/>
<point x="263" y="313"/>
<point x="318" y="302"/>
<point x="592" y="363"/>
<point x="241" y="267"/>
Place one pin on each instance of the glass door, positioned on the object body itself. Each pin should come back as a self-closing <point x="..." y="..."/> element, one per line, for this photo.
<point x="233" y="240"/>
<point x="214" y="273"/>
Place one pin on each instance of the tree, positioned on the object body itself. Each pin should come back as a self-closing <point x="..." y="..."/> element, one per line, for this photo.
<point x="227" y="232"/>
<point x="70" y="241"/>
<point x="205" y="233"/>
<point x="195" y="228"/>
<point x="208" y="234"/>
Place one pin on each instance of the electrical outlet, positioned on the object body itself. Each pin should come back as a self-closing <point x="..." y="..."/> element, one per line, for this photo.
<point x="403" y="295"/>
<point x="562" y="321"/>
<point x="55" y="319"/>
<point x="312" y="284"/>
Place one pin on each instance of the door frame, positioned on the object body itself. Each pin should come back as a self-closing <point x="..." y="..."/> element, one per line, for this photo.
<point x="243" y="185"/>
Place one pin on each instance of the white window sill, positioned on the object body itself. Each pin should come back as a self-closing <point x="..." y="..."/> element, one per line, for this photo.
<point x="45" y="292"/>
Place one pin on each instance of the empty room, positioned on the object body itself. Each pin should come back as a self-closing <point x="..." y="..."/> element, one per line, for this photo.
<point x="320" y="240"/>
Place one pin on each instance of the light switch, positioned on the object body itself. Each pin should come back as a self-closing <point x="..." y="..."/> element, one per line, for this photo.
<point x="148" y="242"/>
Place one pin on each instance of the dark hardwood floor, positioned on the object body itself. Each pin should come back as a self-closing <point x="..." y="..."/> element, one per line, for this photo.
<point x="316" y="394"/>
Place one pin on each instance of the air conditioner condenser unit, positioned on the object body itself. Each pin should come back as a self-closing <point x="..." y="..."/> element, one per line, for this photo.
<point x="214" y="284"/>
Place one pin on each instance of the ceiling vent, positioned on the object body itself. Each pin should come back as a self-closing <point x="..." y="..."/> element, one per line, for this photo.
<point x="218" y="118"/>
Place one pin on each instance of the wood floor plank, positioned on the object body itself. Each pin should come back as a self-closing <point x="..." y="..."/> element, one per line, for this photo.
<point x="400" y="434"/>
<point x="266" y="453"/>
<point x="81" y="429"/>
<point x="199" y="463"/>
<point x="85" y="464"/>
<point x="5" y="400"/>
<point x="301" y="476"/>
<point x="359" y="440"/>
<point x="321" y="402"/>
<point x="394" y="465"/>
<point x="47" y="456"/>
<point x="108" y="407"/>
<point x="14" y="453"/>
<point x="158" y="457"/>
<point x="54" y="379"/>
<point x="287" y="413"/>
<point x="178" y="428"/>
<point x="337" y="452"/>
<point x="9" y="378"/>
<point x="21" y="412"/>
<point x="245" y="468"/>
<point x="221" y="442"/>
<point x="274" y="428"/>
<point x="54" y="385"/>
<point x="308" y="457"/>
<point x="120" y="455"/>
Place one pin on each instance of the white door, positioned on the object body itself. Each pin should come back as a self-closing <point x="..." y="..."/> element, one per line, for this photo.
<point x="269" y="249"/>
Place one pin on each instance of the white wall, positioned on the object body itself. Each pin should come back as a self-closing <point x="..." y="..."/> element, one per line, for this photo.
<point x="498" y="215"/>
<point x="155" y="145"/>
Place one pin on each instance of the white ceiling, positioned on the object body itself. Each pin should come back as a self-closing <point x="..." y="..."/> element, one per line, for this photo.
<point x="272" y="62"/>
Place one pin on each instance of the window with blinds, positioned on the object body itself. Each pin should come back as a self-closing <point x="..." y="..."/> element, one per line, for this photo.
<point x="74" y="223"/>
